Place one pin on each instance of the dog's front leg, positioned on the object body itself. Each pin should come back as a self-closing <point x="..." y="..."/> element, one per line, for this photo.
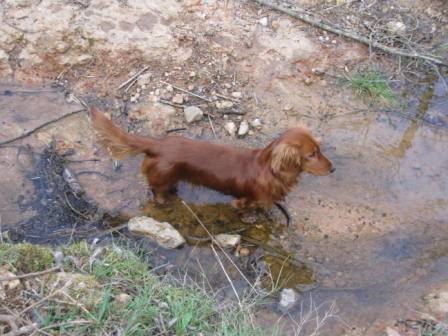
<point x="246" y="209"/>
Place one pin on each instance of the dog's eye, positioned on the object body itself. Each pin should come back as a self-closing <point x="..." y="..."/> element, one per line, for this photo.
<point x="312" y="155"/>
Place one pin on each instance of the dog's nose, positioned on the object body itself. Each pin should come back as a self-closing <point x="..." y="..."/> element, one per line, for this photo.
<point x="332" y="170"/>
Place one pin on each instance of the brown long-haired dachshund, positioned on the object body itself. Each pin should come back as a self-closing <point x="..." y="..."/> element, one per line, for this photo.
<point x="256" y="177"/>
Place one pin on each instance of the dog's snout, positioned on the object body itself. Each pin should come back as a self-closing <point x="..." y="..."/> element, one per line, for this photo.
<point x="332" y="170"/>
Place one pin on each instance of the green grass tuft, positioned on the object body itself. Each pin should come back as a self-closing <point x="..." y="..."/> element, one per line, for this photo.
<point x="371" y="83"/>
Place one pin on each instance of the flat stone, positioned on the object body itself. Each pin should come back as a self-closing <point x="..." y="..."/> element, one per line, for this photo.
<point x="228" y="240"/>
<point x="193" y="113"/>
<point x="161" y="232"/>
<point x="244" y="128"/>
<point x="230" y="127"/>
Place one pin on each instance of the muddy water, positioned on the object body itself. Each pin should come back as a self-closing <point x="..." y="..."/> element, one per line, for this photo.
<point x="372" y="237"/>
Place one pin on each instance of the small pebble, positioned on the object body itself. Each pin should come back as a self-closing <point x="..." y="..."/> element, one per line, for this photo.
<point x="264" y="21"/>
<point x="308" y="81"/>
<point x="236" y="94"/>
<point x="244" y="128"/>
<point x="230" y="127"/>
<point x="178" y="99"/>
<point x="244" y="252"/>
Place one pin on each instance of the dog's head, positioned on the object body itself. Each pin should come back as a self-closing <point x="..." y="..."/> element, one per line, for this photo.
<point x="298" y="151"/>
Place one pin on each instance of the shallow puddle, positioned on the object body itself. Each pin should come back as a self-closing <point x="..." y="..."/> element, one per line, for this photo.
<point x="372" y="237"/>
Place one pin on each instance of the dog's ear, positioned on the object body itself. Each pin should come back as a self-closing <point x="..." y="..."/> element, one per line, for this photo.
<point x="284" y="155"/>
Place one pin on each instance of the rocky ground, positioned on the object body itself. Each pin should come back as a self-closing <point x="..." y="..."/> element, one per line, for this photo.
<point x="236" y="72"/>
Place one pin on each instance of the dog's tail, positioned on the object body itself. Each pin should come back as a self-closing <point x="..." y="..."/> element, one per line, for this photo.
<point x="119" y="143"/>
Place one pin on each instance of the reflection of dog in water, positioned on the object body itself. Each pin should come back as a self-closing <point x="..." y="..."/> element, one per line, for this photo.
<point x="256" y="177"/>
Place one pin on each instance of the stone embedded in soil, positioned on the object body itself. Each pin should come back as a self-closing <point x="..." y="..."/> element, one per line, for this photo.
<point x="161" y="232"/>
<point x="288" y="298"/>
<point x="228" y="240"/>
<point x="437" y="300"/>
<point x="193" y="113"/>
<point x="237" y="94"/>
<point x="230" y="127"/>
<point x="244" y="128"/>
<point x="178" y="99"/>
<point x="396" y="27"/>
<point x="256" y="123"/>
<point x="318" y="71"/>
<point x="392" y="332"/>
<point x="308" y="81"/>
<point x="264" y="21"/>
<point x="224" y="104"/>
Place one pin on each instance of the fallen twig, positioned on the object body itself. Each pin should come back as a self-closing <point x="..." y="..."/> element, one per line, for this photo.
<point x="134" y="77"/>
<point x="227" y="275"/>
<point x="189" y="92"/>
<point x="24" y="135"/>
<point x="176" y="129"/>
<point x="227" y="98"/>
<point x="166" y="102"/>
<point x="111" y="230"/>
<point x="211" y="125"/>
<point x="30" y="275"/>
<point x="305" y="17"/>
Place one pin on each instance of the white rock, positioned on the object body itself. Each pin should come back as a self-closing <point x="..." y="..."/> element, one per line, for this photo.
<point x="392" y="332"/>
<point x="396" y="27"/>
<point x="256" y="123"/>
<point x="288" y="297"/>
<point x="193" y="113"/>
<point x="162" y="232"/>
<point x="437" y="300"/>
<point x="264" y="21"/>
<point x="169" y="88"/>
<point x="223" y="104"/>
<point x="287" y="107"/>
<point x="228" y="240"/>
<point x="230" y="127"/>
<point x="244" y="128"/>
<point x="237" y="94"/>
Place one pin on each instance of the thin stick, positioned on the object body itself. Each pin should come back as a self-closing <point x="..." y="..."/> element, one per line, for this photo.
<point x="225" y="273"/>
<point x="32" y="91"/>
<point x="317" y="23"/>
<point x="24" y="135"/>
<point x="176" y="129"/>
<point x="112" y="230"/>
<point x="211" y="125"/>
<point x="134" y="77"/>
<point x="30" y="275"/>
<point x="227" y="98"/>
<point x="190" y="93"/>
<point x="166" y="102"/>
<point x="214" y="241"/>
